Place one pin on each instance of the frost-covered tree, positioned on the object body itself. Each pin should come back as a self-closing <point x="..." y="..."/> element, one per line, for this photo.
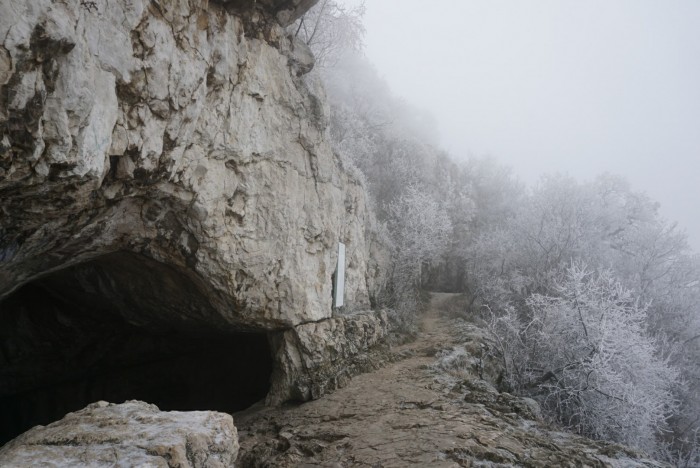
<point x="420" y="225"/>
<point x="524" y="250"/>
<point x="613" y="228"/>
<point x="584" y="352"/>
<point x="496" y="193"/>
<point x="331" y="29"/>
<point x="421" y="232"/>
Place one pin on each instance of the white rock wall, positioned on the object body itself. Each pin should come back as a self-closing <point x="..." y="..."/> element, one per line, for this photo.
<point x="184" y="131"/>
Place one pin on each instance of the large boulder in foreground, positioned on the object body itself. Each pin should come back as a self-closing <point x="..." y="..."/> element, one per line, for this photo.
<point x="125" y="435"/>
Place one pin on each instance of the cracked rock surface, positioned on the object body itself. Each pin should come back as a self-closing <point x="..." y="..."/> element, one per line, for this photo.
<point x="316" y="358"/>
<point x="126" y="435"/>
<point x="190" y="134"/>
<point x="413" y="413"/>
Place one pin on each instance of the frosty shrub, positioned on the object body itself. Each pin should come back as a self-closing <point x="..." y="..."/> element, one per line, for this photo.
<point x="513" y="257"/>
<point x="455" y="360"/>
<point x="586" y="355"/>
<point x="683" y="452"/>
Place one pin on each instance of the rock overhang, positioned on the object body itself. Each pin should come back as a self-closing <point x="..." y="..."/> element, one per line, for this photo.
<point x="179" y="134"/>
<point x="285" y="11"/>
<point x="165" y="166"/>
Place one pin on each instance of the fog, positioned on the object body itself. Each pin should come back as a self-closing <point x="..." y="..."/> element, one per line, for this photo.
<point x="556" y="86"/>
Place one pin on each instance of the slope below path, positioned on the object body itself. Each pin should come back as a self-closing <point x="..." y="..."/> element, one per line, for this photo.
<point x="426" y="407"/>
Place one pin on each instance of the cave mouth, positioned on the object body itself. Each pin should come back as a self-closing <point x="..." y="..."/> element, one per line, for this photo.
<point x="78" y="336"/>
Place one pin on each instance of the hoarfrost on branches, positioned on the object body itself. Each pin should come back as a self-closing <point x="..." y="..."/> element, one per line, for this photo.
<point x="588" y="354"/>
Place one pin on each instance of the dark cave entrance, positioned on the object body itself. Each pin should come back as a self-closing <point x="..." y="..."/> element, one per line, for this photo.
<point x="118" y="328"/>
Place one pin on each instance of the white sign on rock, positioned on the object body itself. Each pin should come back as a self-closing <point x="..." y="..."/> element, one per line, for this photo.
<point x="339" y="283"/>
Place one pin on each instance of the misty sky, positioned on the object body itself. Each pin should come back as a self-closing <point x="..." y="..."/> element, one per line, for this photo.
<point x="573" y="86"/>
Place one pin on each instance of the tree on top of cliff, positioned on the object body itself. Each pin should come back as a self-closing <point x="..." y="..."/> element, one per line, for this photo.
<point x="330" y="30"/>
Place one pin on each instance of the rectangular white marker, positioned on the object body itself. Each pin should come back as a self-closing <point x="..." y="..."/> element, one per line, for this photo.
<point x="339" y="286"/>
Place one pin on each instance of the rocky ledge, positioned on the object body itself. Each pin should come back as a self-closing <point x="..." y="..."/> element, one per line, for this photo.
<point x="316" y="358"/>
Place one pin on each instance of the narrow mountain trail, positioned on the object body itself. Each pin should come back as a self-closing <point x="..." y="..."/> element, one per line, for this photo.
<point x="415" y="411"/>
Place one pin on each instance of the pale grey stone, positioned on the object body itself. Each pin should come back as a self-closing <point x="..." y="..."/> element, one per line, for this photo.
<point x="126" y="435"/>
<point x="132" y="126"/>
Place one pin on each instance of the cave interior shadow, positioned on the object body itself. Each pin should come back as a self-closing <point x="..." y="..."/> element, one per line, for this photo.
<point x="118" y="328"/>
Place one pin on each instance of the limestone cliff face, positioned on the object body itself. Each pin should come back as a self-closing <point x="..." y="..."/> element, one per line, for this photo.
<point x="174" y="150"/>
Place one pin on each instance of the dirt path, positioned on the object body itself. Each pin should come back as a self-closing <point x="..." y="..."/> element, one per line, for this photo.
<point x="411" y="413"/>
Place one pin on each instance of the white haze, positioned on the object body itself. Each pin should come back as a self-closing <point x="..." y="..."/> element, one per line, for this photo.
<point x="581" y="87"/>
